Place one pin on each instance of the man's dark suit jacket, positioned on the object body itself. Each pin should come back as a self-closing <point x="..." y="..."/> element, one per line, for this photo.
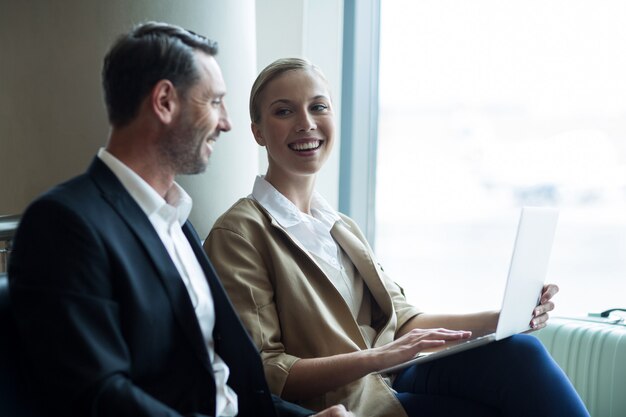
<point x="105" y="319"/>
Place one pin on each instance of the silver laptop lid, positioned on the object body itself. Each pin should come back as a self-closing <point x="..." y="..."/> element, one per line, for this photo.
<point x="528" y="269"/>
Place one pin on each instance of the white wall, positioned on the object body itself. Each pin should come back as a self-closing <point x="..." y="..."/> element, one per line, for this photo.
<point x="52" y="116"/>
<point x="312" y="29"/>
<point x="234" y="162"/>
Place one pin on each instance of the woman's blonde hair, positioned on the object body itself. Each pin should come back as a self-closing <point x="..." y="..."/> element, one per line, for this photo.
<point x="271" y="72"/>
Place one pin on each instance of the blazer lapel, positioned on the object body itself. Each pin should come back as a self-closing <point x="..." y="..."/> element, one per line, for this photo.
<point x="339" y="302"/>
<point x="360" y="256"/>
<point x="344" y="313"/>
<point x="115" y="193"/>
<point x="277" y="225"/>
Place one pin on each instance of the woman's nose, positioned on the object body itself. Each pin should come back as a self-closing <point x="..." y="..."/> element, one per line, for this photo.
<point x="305" y="122"/>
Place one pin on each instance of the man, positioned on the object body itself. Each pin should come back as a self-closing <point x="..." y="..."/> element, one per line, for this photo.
<point x="119" y="311"/>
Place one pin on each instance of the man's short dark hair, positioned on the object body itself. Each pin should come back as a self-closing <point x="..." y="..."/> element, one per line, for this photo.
<point x="151" y="52"/>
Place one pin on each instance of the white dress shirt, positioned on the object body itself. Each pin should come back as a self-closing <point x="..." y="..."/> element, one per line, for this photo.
<point x="167" y="216"/>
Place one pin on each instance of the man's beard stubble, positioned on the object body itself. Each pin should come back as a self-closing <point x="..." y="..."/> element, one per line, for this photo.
<point x="181" y="150"/>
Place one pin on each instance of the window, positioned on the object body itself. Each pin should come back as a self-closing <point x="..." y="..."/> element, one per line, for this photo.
<point x="486" y="106"/>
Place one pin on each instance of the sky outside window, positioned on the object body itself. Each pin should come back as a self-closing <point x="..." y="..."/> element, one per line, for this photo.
<point x="486" y="106"/>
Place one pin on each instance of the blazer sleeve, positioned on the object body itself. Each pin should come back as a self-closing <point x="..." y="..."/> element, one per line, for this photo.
<point x="248" y="281"/>
<point x="403" y="309"/>
<point x="68" y="317"/>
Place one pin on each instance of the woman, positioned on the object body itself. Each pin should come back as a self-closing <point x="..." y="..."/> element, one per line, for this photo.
<point x="322" y="311"/>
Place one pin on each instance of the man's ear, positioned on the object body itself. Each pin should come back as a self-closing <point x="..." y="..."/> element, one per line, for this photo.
<point x="164" y="101"/>
<point x="258" y="136"/>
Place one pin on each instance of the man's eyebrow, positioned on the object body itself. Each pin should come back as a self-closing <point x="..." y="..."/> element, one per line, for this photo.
<point x="209" y="95"/>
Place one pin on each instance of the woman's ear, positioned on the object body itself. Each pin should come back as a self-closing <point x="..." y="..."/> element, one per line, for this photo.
<point x="164" y="101"/>
<point x="258" y="136"/>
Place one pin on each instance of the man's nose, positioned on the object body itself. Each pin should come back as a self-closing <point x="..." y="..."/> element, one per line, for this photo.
<point x="225" y="124"/>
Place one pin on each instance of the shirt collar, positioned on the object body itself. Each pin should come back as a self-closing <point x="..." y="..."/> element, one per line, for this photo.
<point x="285" y="212"/>
<point x="146" y="197"/>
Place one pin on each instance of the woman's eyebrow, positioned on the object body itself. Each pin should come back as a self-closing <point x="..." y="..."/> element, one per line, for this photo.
<point x="287" y="101"/>
<point x="280" y="100"/>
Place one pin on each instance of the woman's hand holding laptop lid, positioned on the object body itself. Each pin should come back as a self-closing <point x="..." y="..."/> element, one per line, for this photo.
<point x="540" y="314"/>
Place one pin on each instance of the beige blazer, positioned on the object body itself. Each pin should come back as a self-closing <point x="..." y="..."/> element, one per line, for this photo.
<point x="291" y="308"/>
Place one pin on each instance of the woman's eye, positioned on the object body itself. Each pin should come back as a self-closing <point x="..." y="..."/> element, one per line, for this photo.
<point x="282" y="112"/>
<point x="319" y="107"/>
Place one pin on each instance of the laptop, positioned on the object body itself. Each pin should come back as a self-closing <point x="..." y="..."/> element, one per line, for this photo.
<point x="527" y="272"/>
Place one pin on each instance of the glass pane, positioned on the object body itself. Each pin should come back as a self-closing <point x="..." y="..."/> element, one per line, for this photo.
<point x="486" y="106"/>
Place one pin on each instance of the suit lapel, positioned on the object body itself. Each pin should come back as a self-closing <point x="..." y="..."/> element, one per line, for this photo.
<point x="224" y="311"/>
<point x="117" y="196"/>
<point x="231" y="341"/>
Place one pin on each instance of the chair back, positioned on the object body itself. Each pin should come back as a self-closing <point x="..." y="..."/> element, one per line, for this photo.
<point x="14" y="401"/>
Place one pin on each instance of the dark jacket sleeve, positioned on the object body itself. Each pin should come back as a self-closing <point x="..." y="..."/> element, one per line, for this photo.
<point x="287" y="409"/>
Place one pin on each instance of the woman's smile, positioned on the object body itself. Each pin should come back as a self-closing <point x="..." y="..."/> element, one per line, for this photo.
<point x="306" y="145"/>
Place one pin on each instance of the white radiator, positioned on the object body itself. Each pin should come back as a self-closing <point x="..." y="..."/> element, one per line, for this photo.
<point x="593" y="355"/>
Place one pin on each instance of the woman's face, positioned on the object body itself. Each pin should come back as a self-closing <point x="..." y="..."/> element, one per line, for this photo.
<point x="297" y="124"/>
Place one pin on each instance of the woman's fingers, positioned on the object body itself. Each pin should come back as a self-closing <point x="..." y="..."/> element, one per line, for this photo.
<point x="549" y="291"/>
<point x="419" y="339"/>
<point x="415" y="341"/>
<point x="540" y="313"/>
<point x="543" y="308"/>
<point x="443" y="334"/>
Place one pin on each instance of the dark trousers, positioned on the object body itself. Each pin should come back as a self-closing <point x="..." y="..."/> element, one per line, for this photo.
<point x="512" y="377"/>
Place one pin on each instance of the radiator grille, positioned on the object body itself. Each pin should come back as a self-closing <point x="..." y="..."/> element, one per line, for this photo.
<point x="593" y="355"/>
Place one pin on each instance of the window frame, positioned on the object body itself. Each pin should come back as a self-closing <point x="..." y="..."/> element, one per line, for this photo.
<point x="359" y="122"/>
